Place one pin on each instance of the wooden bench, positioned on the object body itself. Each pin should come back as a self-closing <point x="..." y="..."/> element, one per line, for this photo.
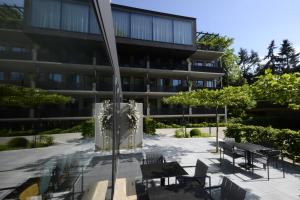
<point x="125" y="189"/>
<point x="96" y="191"/>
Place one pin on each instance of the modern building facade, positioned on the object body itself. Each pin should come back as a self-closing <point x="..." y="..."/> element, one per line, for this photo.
<point x="56" y="45"/>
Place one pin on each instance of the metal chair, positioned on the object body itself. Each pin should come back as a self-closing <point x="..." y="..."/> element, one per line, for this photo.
<point x="228" y="190"/>
<point x="229" y="150"/>
<point x="199" y="177"/>
<point x="266" y="157"/>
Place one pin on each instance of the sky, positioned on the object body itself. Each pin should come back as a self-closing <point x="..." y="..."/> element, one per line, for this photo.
<point x="252" y="23"/>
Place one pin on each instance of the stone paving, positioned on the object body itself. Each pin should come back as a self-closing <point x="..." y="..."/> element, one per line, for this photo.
<point x="187" y="150"/>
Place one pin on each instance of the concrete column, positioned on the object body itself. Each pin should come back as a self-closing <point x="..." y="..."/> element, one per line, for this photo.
<point x="94" y="60"/>
<point x="94" y="84"/>
<point x="148" y="106"/>
<point x="32" y="85"/>
<point x="221" y="82"/>
<point x="35" y="52"/>
<point x="148" y="62"/>
<point x="189" y="64"/>
<point x="147" y="81"/>
<point x="215" y="83"/>
<point x="190" y="111"/>
<point x="131" y="82"/>
<point x="225" y="119"/>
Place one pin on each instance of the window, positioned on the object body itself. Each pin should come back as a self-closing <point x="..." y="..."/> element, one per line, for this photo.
<point x="162" y="30"/>
<point x="121" y="23"/>
<point x="75" y="17"/>
<point x="141" y="27"/>
<point x="199" y="83"/>
<point x="209" y="64"/>
<point x="210" y="84"/>
<point x="177" y="83"/>
<point x="16" y="76"/>
<point x="182" y="32"/>
<point x="198" y="63"/>
<point x="45" y="14"/>
<point x="94" y="27"/>
<point x="1" y="76"/>
<point x="55" y="77"/>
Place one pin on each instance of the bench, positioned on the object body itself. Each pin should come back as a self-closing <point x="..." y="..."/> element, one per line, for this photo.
<point x="96" y="191"/>
<point x="125" y="189"/>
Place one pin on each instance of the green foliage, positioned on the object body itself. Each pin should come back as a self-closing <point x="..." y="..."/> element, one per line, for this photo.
<point x="283" y="139"/>
<point x="195" y="132"/>
<point x="162" y="125"/>
<point x="179" y="133"/>
<point x="215" y="43"/>
<point x="88" y="129"/>
<point x="149" y="126"/>
<point x="18" y="142"/>
<point x="52" y="131"/>
<point x="11" y="95"/>
<point x="42" y="141"/>
<point x="9" y="133"/>
<point x="278" y="89"/>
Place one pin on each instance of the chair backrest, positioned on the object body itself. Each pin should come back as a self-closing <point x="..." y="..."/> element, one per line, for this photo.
<point x="154" y="158"/>
<point x="201" y="171"/>
<point x="230" y="190"/>
<point x="229" y="140"/>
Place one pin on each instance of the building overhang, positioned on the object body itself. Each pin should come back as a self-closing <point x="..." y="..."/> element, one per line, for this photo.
<point x="207" y="55"/>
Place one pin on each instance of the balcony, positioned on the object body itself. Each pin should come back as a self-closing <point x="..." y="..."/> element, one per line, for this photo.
<point x="51" y="85"/>
<point x="201" y="110"/>
<point x="203" y="68"/>
<point x="168" y="89"/>
<point x="134" y="88"/>
<point x="168" y="66"/>
<point x="15" y="53"/>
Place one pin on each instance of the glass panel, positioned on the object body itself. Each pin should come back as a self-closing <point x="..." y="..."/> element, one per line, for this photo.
<point x="210" y="84"/>
<point x="182" y="32"/>
<point x="121" y="23"/>
<point x="94" y="27"/>
<point x="75" y="17"/>
<point x="1" y="76"/>
<point x="55" y="77"/>
<point x="15" y="76"/>
<point x="141" y="27"/>
<point x="45" y="13"/>
<point x="162" y="30"/>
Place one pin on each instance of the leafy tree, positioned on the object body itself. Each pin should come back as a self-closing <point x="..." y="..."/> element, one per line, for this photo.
<point x="278" y="89"/>
<point x="10" y="16"/>
<point x="11" y="95"/>
<point x="271" y="57"/>
<point x="229" y="96"/>
<point x="248" y="63"/>
<point x="229" y="60"/>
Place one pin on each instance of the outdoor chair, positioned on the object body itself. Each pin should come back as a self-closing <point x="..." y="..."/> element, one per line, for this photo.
<point x="266" y="157"/>
<point x="228" y="190"/>
<point x="199" y="177"/>
<point x="155" y="158"/>
<point x="227" y="148"/>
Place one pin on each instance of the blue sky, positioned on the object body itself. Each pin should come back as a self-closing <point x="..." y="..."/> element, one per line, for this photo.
<point x="253" y="23"/>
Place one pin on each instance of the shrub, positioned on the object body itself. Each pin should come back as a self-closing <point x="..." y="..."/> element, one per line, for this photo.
<point x="46" y="140"/>
<point x="284" y="139"/>
<point x="74" y="129"/>
<point x="179" y="133"/>
<point x="18" y="142"/>
<point x="88" y="128"/>
<point x="149" y="126"/>
<point x="52" y="131"/>
<point x="195" y="132"/>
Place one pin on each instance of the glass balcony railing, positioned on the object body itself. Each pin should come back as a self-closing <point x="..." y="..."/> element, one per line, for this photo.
<point x="134" y="88"/>
<point x="203" y="68"/>
<point x="168" y="66"/>
<point x="51" y="85"/>
<point x="168" y="89"/>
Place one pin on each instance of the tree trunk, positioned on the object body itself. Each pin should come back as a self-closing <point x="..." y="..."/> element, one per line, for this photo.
<point x="183" y="121"/>
<point x="217" y="130"/>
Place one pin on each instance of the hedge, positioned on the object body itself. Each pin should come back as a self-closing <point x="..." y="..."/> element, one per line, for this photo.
<point x="149" y="126"/>
<point x="88" y="129"/>
<point x="283" y="139"/>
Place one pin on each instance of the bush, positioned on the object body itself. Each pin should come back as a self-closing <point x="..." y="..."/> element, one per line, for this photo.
<point x="46" y="140"/>
<point x="195" y="132"/>
<point x="284" y="139"/>
<point x="88" y="129"/>
<point x="52" y="131"/>
<point x="18" y="142"/>
<point x="149" y="126"/>
<point x="179" y="133"/>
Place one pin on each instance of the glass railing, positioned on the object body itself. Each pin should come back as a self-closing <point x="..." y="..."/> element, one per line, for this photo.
<point x="203" y="68"/>
<point x="168" y="66"/>
<point x="51" y="85"/>
<point x="134" y="88"/>
<point x="168" y="89"/>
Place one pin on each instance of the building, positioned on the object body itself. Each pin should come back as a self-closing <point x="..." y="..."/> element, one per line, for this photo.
<point x="56" y="45"/>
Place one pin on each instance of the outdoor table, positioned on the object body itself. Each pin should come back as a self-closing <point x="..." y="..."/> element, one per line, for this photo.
<point x="250" y="149"/>
<point x="162" y="170"/>
<point x="178" y="192"/>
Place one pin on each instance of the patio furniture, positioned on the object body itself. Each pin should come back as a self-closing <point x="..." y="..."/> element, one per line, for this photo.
<point x="229" y="150"/>
<point x="152" y="158"/>
<point x="199" y="177"/>
<point x="178" y="192"/>
<point x="161" y="170"/>
<point x="266" y="157"/>
<point x="227" y="190"/>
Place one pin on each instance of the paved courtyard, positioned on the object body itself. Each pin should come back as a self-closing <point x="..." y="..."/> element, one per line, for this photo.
<point x="186" y="151"/>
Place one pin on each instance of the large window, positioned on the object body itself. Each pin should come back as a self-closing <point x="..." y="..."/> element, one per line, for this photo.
<point x="1" y="76"/>
<point x="121" y="23"/>
<point x="162" y="30"/>
<point x="182" y="32"/>
<point x="16" y="76"/>
<point x="75" y="17"/>
<point x="45" y="13"/>
<point x="141" y="27"/>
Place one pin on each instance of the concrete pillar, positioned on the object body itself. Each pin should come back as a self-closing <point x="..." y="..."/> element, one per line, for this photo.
<point x="94" y="60"/>
<point x="148" y="106"/>
<point x="35" y="52"/>
<point x="131" y="82"/>
<point x="189" y="64"/>
<point x="148" y="62"/>
<point x="221" y="82"/>
<point x="147" y="82"/>
<point x="225" y="118"/>
<point x="215" y="83"/>
<point x="94" y="84"/>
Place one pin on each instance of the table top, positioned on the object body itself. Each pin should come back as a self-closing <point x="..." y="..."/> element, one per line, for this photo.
<point x="161" y="170"/>
<point x="178" y="192"/>
<point x="250" y="147"/>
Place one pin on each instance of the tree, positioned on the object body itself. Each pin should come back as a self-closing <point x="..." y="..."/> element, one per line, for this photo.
<point x="278" y="89"/>
<point x="271" y="57"/>
<point x="288" y="58"/>
<point x="229" y="96"/>
<point x="11" y="95"/>
<point x="228" y="60"/>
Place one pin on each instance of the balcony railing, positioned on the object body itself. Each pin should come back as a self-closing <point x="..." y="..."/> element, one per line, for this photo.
<point x="50" y="85"/>
<point x="134" y="88"/>
<point x="214" y="69"/>
<point x="134" y="65"/>
<point x="9" y="54"/>
<point x="207" y="111"/>
<point x="169" y="66"/>
<point x="168" y="89"/>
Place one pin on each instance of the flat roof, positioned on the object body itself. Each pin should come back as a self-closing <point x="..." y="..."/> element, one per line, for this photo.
<point x="150" y="11"/>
